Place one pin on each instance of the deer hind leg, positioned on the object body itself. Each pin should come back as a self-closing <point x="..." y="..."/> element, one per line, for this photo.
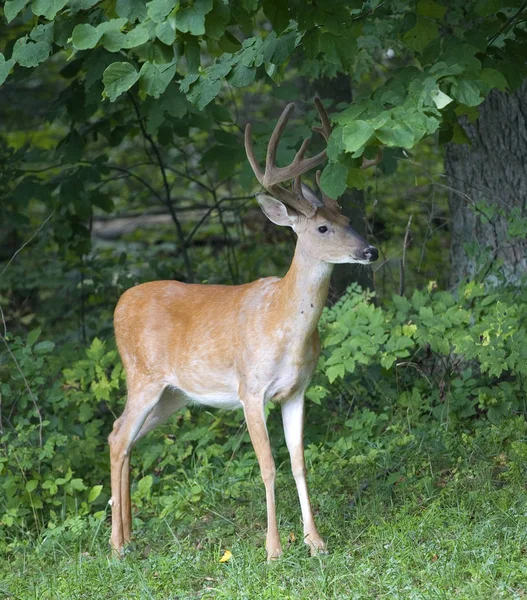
<point x="255" y="418"/>
<point x="169" y="402"/>
<point x="142" y="399"/>
<point x="293" y="421"/>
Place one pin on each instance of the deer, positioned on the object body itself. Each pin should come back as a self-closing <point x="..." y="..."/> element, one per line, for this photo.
<point x="238" y="346"/>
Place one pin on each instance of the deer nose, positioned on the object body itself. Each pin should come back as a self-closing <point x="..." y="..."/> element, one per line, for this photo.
<point x="371" y="253"/>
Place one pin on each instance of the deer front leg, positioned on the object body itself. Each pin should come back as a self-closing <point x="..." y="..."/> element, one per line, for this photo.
<point x="293" y="421"/>
<point x="255" y="418"/>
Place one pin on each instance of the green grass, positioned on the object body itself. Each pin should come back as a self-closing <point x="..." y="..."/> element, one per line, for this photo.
<point x="456" y="529"/>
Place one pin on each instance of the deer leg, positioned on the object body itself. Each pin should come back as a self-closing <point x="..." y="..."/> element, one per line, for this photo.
<point x="141" y="401"/>
<point x="167" y="405"/>
<point x="293" y="421"/>
<point x="255" y="418"/>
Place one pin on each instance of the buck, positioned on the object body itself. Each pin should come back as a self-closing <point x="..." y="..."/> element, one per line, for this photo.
<point x="237" y="346"/>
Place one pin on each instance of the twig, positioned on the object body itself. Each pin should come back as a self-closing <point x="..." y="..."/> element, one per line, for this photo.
<point x="402" y="261"/>
<point x="210" y="211"/>
<point x="168" y="199"/>
<point x="27" y="242"/>
<point x="130" y="174"/>
<point x="26" y="383"/>
<point x="506" y="25"/>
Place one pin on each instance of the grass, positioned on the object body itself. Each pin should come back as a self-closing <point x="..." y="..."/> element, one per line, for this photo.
<point x="450" y="523"/>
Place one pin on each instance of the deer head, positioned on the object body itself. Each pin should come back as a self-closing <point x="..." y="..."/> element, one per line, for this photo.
<point x="324" y="233"/>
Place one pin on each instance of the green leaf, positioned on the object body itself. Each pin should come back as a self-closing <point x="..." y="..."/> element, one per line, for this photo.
<point x="118" y="78"/>
<point x="76" y="5"/>
<point x="30" y="54"/>
<point x="48" y="8"/>
<point x="12" y="8"/>
<point x="356" y="134"/>
<point x="85" y="36"/>
<point x="466" y="92"/>
<point x="193" y="55"/>
<point x="484" y="8"/>
<point x="335" y="371"/>
<point x="166" y="31"/>
<point x="333" y="180"/>
<point x="217" y="20"/>
<point x="204" y="91"/>
<point x="133" y="10"/>
<point x="459" y="136"/>
<point x="144" y="485"/>
<point x="494" y="79"/>
<point x="44" y="347"/>
<point x="158" y="10"/>
<point x="242" y="76"/>
<point x="5" y="67"/>
<point x="154" y="79"/>
<point x="33" y="336"/>
<point x="396" y="134"/>
<point x="429" y="8"/>
<point x="191" y="18"/>
<point x="77" y="484"/>
<point x="113" y="41"/>
<point x="112" y="26"/>
<point x="278" y="13"/>
<point x="43" y="33"/>
<point x="356" y="179"/>
<point x="138" y="36"/>
<point x="421" y="35"/>
<point x="31" y="485"/>
<point x="94" y="493"/>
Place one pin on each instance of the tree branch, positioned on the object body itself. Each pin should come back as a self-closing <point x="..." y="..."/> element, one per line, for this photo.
<point x="168" y="199"/>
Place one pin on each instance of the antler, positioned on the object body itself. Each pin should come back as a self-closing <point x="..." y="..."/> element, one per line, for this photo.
<point x="273" y="175"/>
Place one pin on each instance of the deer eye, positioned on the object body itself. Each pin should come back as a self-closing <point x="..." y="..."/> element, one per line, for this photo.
<point x="322" y="229"/>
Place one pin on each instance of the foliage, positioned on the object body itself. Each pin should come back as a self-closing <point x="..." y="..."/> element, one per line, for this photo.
<point x="432" y="353"/>
<point x="166" y="66"/>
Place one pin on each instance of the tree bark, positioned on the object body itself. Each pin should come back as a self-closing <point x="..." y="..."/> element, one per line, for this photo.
<point x="488" y="193"/>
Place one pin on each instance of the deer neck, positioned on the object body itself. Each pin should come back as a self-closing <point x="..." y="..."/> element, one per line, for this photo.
<point x="304" y="291"/>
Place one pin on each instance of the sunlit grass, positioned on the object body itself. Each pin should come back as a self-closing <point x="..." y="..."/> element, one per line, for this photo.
<point x="463" y="537"/>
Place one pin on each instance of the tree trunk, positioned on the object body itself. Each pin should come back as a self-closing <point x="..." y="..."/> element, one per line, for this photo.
<point x="488" y="193"/>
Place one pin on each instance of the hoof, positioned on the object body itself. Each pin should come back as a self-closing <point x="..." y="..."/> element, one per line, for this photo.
<point x="274" y="554"/>
<point x="119" y="551"/>
<point x="316" y="546"/>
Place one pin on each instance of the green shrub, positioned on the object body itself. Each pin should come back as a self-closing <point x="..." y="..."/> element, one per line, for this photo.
<point x="434" y="354"/>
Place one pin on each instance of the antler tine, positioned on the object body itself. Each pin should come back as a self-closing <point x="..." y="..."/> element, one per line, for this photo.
<point x="326" y="128"/>
<point x="249" y="150"/>
<point x="307" y="193"/>
<point x="277" y="134"/>
<point x="273" y="174"/>
<point x="367" y="163"/>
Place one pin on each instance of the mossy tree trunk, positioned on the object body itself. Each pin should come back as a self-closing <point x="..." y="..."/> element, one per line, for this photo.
<point x="488" y="193"/>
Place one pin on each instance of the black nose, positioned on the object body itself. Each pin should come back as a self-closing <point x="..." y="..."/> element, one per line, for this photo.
<point x="371" y="253"/>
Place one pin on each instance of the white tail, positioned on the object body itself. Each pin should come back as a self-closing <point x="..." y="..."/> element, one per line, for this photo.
<point x="236" y="346"/>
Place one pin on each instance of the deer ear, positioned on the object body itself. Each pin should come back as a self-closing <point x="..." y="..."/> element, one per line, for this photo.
<point x="276" y="211"/>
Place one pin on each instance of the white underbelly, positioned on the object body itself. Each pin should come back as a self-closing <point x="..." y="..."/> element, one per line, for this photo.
<point x="226" y="401"/>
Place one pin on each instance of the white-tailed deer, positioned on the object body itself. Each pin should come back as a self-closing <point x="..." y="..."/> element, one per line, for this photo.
<point x="237" y="346"/>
